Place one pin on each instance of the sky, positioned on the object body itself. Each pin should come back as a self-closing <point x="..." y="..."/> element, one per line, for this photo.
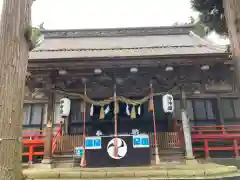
<point x="85" y="14"/>
<point x="79" y="14"/>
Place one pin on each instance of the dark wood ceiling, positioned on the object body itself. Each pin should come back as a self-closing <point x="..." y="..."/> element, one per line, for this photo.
<point x="128" y="83"/>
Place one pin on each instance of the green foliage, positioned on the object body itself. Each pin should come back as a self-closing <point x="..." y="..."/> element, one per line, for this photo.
<point x="36" y="34"/>
<point x="198" y="27"/>
<point x="211" y="14"/>
<point x="33" y="36"/>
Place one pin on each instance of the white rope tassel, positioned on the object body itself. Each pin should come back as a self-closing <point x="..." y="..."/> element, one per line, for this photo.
<point x="139" y="110"/>
<point x="91" y="110"/>
<point x="127" y="110"/>
<point x="107" y="109"/>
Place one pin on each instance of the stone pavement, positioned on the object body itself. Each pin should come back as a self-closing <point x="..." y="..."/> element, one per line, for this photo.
<point x="165" y="171"/>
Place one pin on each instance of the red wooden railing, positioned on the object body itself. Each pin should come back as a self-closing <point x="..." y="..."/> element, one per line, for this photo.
<point x="220" y="133"/>
<point x="207" y="134"/>
<point x="56" y="136"/>
<point x="33" y="139"/>
<point x="220" y="129"/>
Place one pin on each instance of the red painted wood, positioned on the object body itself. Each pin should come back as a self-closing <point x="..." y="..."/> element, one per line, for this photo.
<point x="215" y="136"/>
<point x="214" y="148"/>
<point x="217" y="133"/>
<point x="30" y="140"/>
<point x="236" y="148"/>
<point x="208" y="134"/>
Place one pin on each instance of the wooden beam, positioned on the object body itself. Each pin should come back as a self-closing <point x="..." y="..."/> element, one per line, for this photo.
<point x="125" y="62"/>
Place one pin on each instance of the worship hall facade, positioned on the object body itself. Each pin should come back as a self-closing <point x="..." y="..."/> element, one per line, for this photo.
<point x="93" y="66"/>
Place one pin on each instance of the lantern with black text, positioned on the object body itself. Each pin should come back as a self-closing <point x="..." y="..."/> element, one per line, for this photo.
<point x="168" y="103"/>
<point x="65" y="104"/>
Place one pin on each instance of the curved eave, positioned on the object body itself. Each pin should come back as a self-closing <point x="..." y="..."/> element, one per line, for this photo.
<point x="220" y="55"/>
<point x="61" y="54"/>
<point x="140" y="61"/>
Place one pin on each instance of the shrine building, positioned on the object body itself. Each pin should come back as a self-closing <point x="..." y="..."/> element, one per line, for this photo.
<point x="91" y="66"/>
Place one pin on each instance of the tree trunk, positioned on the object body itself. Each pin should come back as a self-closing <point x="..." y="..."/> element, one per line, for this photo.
<point x="15" y="18"/>
<point x="232" y="14"/>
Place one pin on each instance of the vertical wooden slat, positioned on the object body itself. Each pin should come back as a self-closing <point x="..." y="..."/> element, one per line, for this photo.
<point x="166" y="140"/>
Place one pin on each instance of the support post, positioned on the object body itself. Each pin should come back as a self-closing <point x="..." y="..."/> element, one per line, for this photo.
<point x="47" y="158"/>
<point x="65" y="125"/>
<point x="115" y="121"/>
<point x="220" y="122"/>
<point x="83" y="159"/>
<point x="186" y="129"/>
<point x="220" y="111"/>
<point x="236" y="148"/>
<point x="157" y="159"/>
<point x="206" y="148"/>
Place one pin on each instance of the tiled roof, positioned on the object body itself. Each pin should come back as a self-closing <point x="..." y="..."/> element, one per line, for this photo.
<point x="122" y="42"/>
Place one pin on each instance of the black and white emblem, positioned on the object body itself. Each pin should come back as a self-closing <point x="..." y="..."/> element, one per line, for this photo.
<point x="121" y="148"/>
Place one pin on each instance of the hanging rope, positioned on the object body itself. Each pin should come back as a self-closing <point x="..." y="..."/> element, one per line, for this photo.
<point x="102" y="113"/>
<point x="133" y="113"/>
<point x="109" y="100"/>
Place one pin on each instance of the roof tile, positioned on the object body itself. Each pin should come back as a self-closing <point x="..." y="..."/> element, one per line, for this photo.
<point x="146" y="44"/>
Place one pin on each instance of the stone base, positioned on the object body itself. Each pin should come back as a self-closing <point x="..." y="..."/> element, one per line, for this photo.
<point x="201" y="171"/>
<point x="46" y="164"/>
<point x="157" y="159"/>
<point x="237" y="157"/>
<point x="46" y="161"/>
<point x="191" y="162"/>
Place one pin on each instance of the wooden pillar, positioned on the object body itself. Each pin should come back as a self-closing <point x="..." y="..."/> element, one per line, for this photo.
<point x="47" y="159"/>
<point x="220" y="111"/>
<point x="44" y="120"/>
<point x="186" y="127"/>
<point x="170" y="123"/>
<point x="66" y="124"/>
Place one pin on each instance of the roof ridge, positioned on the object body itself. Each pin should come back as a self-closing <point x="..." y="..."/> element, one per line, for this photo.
<point x="209" y="44"/>
<point x="118" y="32"/>
<point x="117" y="48"/>
<point x="120" y="28"/>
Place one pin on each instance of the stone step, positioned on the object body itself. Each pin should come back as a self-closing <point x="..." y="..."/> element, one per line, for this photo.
<point x="65" y="161"/>
<point x="63" y="156"/>
<point x="173" y="154"/>
<point x="171" y="150"/>
<point x="174" y="172"/>
<point x="105" y="179"/>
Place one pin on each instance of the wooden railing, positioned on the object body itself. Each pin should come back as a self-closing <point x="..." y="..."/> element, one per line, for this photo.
<point x="206" y="147"/>
<point x="56" y="137"/>
<point x="177" y="127"/>
<point x="220" y="129"/>
<point x="33" y="142"/>
<point x="213" y="134"/>
<point x="166" y="140"/>
<point x="210" y="135"/>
